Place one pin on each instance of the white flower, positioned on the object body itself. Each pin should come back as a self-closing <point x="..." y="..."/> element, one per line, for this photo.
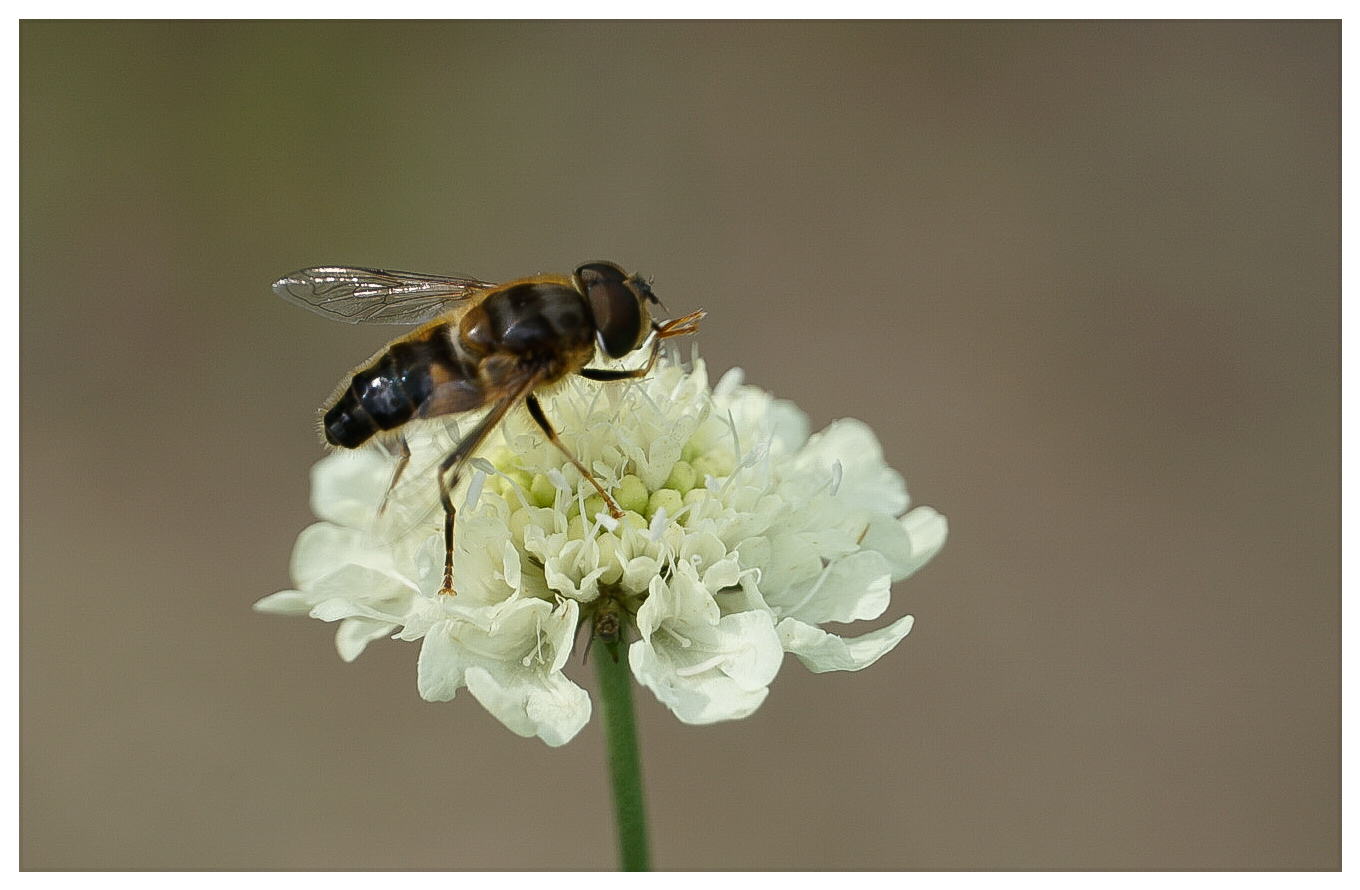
<point x="742" y="536"/>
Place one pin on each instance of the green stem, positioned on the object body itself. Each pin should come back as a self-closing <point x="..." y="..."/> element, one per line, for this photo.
<point x="625" y="764"/>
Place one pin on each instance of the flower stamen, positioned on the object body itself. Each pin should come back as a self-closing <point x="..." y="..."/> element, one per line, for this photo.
<point x="700" y="668"/>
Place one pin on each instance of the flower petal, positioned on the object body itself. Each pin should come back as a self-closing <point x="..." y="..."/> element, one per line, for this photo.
<point x="907" y="543"/>
<point x="509" y="656"/>
<point x="856" y="587"/>
<point x="820" y="651"/>
<point x="348" y="486"/>
<point x="927" y="530"/>
<point x="866" y="483"/>
<point x="716" y="673"/>
<point x="550" y="707"/>
<point x="323" y="547"/>
<point x="285" y="602"/>
<point x="354" y="634"/>
<point x="442" y="664"/>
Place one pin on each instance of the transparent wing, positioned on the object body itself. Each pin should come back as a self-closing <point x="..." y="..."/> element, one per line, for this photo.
<point x="374" y="296"/>
<point x="412" y="498"/>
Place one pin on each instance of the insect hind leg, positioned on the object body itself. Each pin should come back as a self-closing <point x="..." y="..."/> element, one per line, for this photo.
<point x="451" y="470"/>
<point x="403" y="456"/>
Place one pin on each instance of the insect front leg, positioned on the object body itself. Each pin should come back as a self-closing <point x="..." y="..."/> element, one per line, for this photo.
<point x="677" y="328"/>
<point x="536" y="411"/>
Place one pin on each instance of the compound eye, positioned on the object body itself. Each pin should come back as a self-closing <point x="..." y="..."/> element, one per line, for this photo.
<point x="617" y="307"/>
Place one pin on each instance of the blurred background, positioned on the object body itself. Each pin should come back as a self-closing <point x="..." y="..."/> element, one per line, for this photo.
<point x="1082" y="279"/>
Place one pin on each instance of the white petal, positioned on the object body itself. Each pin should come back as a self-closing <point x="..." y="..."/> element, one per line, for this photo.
<point x="821" y="651"/>
<point x="338" y="608"/>
<point x="791" y="562"/>
<point x="723" y="673"/>
<point x="486" y="565"/>
<point x="639" y="571"/>
<point x="285" y="602"/>
<point x="789" y="425"/>
<point x="510" y="567"/>
<point x="928" y="531"/>
<point x="655" y="464"/>
<point x="682" y="603"/>
<point x="702" y="549"/>
<point x="323" y="547"/>
<point x="558" y="632"/>
<point x="867" y="483"/>
<point x="357" y="590"/>
<point x="722" y="575"/>
<point x="759" y="417"/>
<point x="354" y="634"/>
<point x="856" y="587"/>
<point x="728" y="384"/>
<point x="509" y="655"/>
<point x="886" y="535"/>
<point x="320" y="548"/>
<point x="907" y="543"/>
<point x="348" y="486"/>
<point x="575" y="570"/>
<point x="441" y="666"/>
<point x="550" y="707"/>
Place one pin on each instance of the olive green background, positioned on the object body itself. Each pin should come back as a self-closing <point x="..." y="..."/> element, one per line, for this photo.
<point x="1082" y="279"/>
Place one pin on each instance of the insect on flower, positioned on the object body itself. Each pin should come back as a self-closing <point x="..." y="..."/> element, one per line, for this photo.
<point x="479" y="344"/>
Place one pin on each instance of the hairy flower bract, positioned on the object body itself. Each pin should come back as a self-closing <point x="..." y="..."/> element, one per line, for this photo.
<point x="742" y="536"/>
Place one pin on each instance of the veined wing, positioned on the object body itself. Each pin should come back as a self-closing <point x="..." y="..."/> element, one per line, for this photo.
<point x="375" y="296"/>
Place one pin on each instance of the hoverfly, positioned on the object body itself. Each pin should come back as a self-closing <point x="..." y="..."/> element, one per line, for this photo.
<point x="479" y="344"/>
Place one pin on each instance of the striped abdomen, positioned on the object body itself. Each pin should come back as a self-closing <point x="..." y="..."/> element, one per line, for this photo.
<point x="390" y="391"/>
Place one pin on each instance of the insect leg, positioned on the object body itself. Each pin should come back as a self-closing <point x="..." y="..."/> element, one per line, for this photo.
<point x="403" y="461"/>
<point x="677" y="328"/>
<point x="452" y="468"/>
<point x="536" y="410"/>
<point x="606" y="375"/>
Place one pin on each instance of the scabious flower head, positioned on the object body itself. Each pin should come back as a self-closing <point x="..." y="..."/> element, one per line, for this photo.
<point x="742" y="535"/>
